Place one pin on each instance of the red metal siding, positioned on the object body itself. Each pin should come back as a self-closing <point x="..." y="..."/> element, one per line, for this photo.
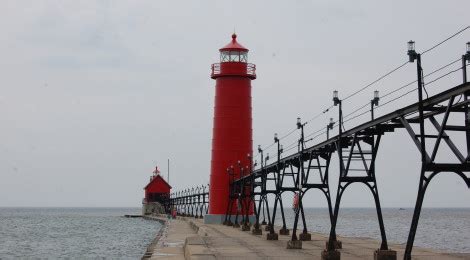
<point x="232" y="136"/>
<point x="157" y="185"/>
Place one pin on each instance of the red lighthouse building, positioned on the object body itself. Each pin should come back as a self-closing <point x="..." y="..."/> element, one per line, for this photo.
<point x="157" y="192"/>
<point x="232" y="132"/>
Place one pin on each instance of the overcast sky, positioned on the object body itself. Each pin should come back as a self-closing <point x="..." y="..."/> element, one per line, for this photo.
<point x="93" y="94"/>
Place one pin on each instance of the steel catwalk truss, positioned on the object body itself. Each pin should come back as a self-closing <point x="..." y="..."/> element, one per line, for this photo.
<point x="356" y="150"/>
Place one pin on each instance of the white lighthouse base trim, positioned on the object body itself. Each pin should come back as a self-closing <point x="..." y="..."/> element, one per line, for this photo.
<point x="219" y="218"/>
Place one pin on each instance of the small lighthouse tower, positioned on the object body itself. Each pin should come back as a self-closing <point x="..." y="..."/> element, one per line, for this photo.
<point x="232" y="133"/>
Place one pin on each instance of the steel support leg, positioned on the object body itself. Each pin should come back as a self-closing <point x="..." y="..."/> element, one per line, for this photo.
<point x="256" y="230"/>
<point x="305" y="236"/>
<point x="332" y="243"/>
<point x="294" y="243"/>
<point x="272" y="235"/>
<point x="417" y="211"/>
<point x="264" y="217"/>
<point x="268" y="213"/>
<point x="236" y="225"/>
<point x="375" y="193"/>
<point x="284" y="230"/>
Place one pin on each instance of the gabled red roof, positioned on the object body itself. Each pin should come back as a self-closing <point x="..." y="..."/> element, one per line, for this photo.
<point x="159" y="177"/>
<point x="233" y="45"/>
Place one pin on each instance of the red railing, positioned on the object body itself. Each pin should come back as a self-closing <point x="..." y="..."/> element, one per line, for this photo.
<point x="233" y="68"/>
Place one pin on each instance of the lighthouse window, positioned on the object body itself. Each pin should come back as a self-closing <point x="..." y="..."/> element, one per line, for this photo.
<point x="224" y="56"/>
<point x="235" y="56"/>
<point x="243" y="57"/>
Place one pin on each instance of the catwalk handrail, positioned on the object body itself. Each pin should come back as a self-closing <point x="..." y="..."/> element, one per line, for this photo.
<point x="411" y="109"/>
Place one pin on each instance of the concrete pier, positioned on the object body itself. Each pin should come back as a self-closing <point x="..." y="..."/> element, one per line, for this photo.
<point x="189" y="238"/>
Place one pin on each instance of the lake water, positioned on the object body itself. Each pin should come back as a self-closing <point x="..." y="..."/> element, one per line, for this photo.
<point x="74" y="233"/>
<point x="104" y="233"/>
<point x="446" y="229"/>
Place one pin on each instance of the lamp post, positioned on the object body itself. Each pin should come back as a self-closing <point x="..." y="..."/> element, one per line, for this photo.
<point x="240" y="168"/>
<point x="250" y="163"/>
<point x="261" y="152"/>
<point x="337" y="102"/>
<point x="374" y="102"/>
<point x="300" y="146"/>
<point x="299" y="183"/>
<point x="339" y="147"/>
<point x="413" y="55"/>
<point x="465" y="58"/>
<point x="261" y="167"/>
<point x="329" y="127"/>
<point x="280" y="148"/>
<point x="284" y="230"/>
<point x="261" y="205"/>
<point x="276" y="140"/>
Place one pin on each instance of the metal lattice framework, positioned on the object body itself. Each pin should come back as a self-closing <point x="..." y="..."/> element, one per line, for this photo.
<point x="426" y="122"/>
<point x="192" y="202"/>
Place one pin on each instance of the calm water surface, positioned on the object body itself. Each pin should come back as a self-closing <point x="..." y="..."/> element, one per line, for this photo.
<point x="74" y="233"/>
<point x="104" y="233"/>
<point x="445" y="229"/>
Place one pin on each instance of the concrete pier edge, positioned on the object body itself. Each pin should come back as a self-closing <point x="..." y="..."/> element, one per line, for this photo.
<point x="194" y="246"/>
<point x="203" y="241"/>
<point x="151" y="247"/>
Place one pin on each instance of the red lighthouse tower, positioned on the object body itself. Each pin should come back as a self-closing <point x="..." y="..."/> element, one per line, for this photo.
<point x="232" y="133"/>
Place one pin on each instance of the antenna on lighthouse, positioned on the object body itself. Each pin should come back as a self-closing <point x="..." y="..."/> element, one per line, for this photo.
<point x="168" y="178"/>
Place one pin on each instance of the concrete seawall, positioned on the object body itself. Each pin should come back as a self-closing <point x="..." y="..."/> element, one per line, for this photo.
<point x="189" y="238"/>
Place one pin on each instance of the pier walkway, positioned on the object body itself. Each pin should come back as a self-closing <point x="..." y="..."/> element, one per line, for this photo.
<point x="189" y="238"/>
